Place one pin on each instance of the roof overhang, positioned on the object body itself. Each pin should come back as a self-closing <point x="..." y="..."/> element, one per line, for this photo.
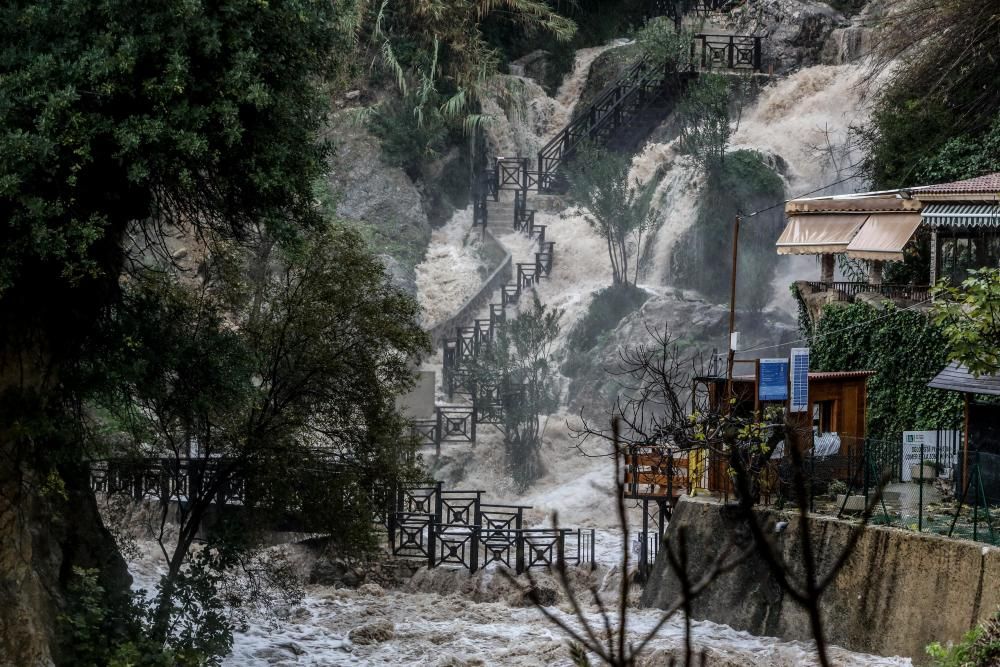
<point x="818" y="234"/>
<point x="883" y="236"/>
<point x="961" y="215"/>
<point x="858" y="234"/>
<point x="956" y="377"/>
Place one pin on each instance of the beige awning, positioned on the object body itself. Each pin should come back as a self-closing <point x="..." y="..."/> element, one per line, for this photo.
<point x="819" y="234"/>
<point x="883" y="236"/>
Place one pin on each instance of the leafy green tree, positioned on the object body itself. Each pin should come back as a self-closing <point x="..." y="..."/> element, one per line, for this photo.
<point x="127" y="120"/>
<point x="969" y="317"/>
<point x="618" y="209"/>
<point x="441" y="44"/>
<point x="663" y="41"/>
<point x="285" y="384"/>
<point x="937" y="97"/>
<point x="705" y="125"/>
<point x="519" y="363"/>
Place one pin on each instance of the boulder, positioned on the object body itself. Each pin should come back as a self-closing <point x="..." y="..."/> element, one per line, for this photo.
<point x="383" y="197"/>
<point x="373" y="633"/>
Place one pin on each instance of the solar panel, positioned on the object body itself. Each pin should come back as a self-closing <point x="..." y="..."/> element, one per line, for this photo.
<point x="800" y="379"/>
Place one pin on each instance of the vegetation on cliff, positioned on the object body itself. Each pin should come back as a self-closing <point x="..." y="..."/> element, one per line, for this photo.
<point x="128" y="132"/>
<point x="905" y="349"/>
<point x="937" y="108"/>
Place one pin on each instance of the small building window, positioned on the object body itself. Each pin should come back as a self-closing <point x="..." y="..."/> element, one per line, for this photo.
<point x="824" y="417"/>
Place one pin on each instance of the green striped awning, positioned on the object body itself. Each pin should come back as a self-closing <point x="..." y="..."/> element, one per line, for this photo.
<point x="961" y="215"/>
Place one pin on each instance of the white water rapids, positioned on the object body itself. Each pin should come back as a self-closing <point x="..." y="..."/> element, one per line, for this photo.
<point x="802" y="119"/>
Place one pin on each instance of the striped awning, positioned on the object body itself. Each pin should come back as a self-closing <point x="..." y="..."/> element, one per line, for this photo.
<point x="961" y="215"/>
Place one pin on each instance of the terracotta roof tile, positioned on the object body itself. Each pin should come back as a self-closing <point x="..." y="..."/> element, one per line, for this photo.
<point x="990" y="183"/>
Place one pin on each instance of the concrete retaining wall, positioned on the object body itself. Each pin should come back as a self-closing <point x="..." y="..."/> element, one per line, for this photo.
<point x="898" y="592"/>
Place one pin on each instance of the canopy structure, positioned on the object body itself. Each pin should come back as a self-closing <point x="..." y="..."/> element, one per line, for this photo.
<point x="875" y="236"/>
<point x="818" y="234"/>
<point x="883" y="236"/>
<point x="956" y="377"/>
<point x="962" y="215"/>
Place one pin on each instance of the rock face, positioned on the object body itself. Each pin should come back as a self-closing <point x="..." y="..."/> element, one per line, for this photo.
<point x="43" y="536"/>
<point x="925" y="588"/>
<point x="369" y="191"/>
<point x="688" y="318"/>
<point x="796" y="30"/>
<point x="853" y="42"/>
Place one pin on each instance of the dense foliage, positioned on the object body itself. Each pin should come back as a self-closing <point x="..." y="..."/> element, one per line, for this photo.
<point x="282" y="366"/>
<point x="937" y="107"/>
<point x="705" y="125"/>
<point x="904" y="349"/>
<point x="980" y="647"/>
<point x="128" y="131"/>
<point x="518" y="366"/>
<point x="742" y="184"/>
<point x="968" y="318"/>
<point x="442" y="64"/>
<point x="620" y="210"/>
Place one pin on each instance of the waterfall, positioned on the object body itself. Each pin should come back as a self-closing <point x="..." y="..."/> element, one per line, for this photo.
<point x="807" y="120"/>
<point x="451" y="271"/>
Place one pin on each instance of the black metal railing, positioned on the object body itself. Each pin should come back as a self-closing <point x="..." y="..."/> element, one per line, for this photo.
<point x="849" y="290"/>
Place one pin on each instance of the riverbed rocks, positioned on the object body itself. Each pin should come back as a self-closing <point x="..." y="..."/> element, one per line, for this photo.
<point x="373" y="633"/>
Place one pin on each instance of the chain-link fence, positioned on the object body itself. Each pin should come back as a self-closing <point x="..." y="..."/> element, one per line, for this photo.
<point x="935" y="488"/>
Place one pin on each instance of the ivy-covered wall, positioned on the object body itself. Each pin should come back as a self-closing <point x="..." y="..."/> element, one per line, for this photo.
<point x="905" y="349"/>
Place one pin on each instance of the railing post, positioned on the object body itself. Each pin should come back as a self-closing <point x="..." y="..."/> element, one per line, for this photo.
<point x="920" y="508"/>
<point x="732" y="51"/>
<point x="431" y="540"/>
<point x="438" y="432"/>
<point x="757" y="54"/>
<point x="474" y="539"/>
<point x="519" y="549"/>
<point x="438" y="501"/>
<point x="561" y="548"/>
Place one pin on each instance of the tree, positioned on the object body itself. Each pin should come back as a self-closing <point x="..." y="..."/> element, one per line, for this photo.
<point x="663" y="42"/>
<point x="517" y="369"/>
<point x="284" y="384"/>
<point x="704" y="120"/>
<point x="969" y="317"/>
<point x="118" y="119"/>
<point x="618" y="209"/>
<point x="440" y="44"/>
<point x="936" y="94"/>
<point x="651" y="418"/>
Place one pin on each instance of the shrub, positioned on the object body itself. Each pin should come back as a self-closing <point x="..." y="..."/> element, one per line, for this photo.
<point x="607" y="309"/>
<point x="980" y="647"/>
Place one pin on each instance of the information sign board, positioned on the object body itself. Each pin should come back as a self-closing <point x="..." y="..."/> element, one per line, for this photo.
<point x="773" y="381"/>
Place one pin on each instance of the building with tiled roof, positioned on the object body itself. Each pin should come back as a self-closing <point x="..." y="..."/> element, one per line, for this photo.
<point x="961" y="222"/>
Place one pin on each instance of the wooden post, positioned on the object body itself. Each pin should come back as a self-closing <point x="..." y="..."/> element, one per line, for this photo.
<point x="875" y="277"/>
<point x="965" y="446"/>
<point x="826" y="268"/>
<point x="934" y="257"/>
<point x="732" y="312"/>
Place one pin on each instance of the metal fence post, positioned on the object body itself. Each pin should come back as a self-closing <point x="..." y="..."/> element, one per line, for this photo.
<point x="431" y="540"/>
<point x="920" y="496"/>
<point x="519" y="548"/>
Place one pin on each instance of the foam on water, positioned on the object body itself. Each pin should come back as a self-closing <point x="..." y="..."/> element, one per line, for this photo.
<point x="433" y="629"/>
<point x="451" y="271"/>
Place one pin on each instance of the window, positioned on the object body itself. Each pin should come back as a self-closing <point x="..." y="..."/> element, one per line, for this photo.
<point x="824" y="417"/>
